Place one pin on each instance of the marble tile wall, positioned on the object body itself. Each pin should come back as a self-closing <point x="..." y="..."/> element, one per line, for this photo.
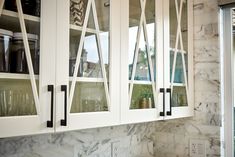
<point x="135" y="140"/>
<point x="159" y="139"/>
<point x="172" y="137"/>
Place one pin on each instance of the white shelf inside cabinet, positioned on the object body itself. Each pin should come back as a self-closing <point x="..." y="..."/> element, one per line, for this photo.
<point x="9" y="20"/>
<point x="87" y="79"/>
<point x="179" y="84"/>
<point x="140" y="82"/>
<point x="75" y="30"/>
<point x="15" y="14"/>
<point x="16" y="76"/>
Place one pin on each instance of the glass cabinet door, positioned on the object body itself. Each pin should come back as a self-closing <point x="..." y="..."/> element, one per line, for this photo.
<point x="142" y="54"/>
<point x="20" y="54"/>
<point x="142" y="51"/>
<point x="179" y="78"/>
<point x="89" y="55"/>
<point x="90" y="61"/>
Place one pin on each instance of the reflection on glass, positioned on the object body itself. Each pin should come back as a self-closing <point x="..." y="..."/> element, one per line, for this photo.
<point x="179" y="71"/>
<point x="89" y="97"/>
<point x="90" y="65"/>
<point x="16" y="98"/>
<point x="142" y="97"/>
<point x="174" y="24"/>
<point x="179" y="97"/>
<point x="142" y="65"/>
<point x="142" y="94"/>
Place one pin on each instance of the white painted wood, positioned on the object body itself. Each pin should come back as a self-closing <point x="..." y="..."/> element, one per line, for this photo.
<point x="141" y="82"/>
<point x="20" y="125"/>
<point x="227" y="80"/>
<point x="79" y="53"/>
<point x="48" y="53"/>
<point x="100" y="54"/>
<point x="186" y="111"/>
<point x="16" y="76"/>
<point x="103" y="118"/>
<point x="62" y="60"/>
<point x="140" y="115"/>
<point x="15" y="14"/>
<point x="28" y="55"/>
<point x="35" y="124"/>
<point x="149" y="56"/>
<point x="1" y="6"/>
<point x="87" y="79"/>
<point x="79" y="28"/>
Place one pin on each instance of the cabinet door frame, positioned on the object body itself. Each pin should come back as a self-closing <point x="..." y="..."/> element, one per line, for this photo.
<point x="188" y="111"/>
<point x="35" y="124"/>
<point x="140" y="115"/>
<point x="87" y="119"/>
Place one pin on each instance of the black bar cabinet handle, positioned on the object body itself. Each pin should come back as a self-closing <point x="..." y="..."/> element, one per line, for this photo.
<point x="50" y="88"/>
<point x="162" y="90"/>
<point x="169" y="113"/>
<point x="63" y="122"/>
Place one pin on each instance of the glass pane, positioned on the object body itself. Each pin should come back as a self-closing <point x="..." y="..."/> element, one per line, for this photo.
<point x="134" y="13"/>
<point x="179" y="97"/>
<point x="179" y="72"/>
<point x="16" y="98"/>
<point x="174" y="24"/>
<point x="89" y="97"/>
<point x="90" y="65"/>
<point x="142" y="97"/>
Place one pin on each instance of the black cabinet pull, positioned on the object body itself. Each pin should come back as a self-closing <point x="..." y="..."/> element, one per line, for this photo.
<point x="63" y="122"/>
<point x="169" y="113"/>
<point x="162" y="90"/>
<point x="50" y="88"/>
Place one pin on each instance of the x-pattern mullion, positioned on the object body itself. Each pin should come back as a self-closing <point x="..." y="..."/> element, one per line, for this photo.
<point x="91" y="4"/>
<point x="149" y="58"/>
<point x="142" y="24"/>
<point x="100" y="53"/>
<point x="181" y="50"/>
<point x="27" y="51"/>
<point x="1" y="6"/>
<point x="136" y="54"/>
<point x="79" y="53"/>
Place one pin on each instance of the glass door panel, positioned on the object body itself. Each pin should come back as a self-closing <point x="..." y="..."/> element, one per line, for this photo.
<point x="142" y="56"/>
<point x="89" y="55"/>
<point x="179" y="52"/>
<point x="19" y="59"/>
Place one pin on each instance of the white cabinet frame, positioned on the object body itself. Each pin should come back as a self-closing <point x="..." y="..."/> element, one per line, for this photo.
<point x="89" y="119"/>
<point x="186" y="111"/>
<point x="141" y="115"/>
<point x="26" y="125"/>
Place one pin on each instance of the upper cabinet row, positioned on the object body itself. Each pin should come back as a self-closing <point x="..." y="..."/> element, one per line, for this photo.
<point x="67" y="65"/>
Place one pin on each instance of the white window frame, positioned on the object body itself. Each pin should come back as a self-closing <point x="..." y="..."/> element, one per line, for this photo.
<point x="227" y="81"/>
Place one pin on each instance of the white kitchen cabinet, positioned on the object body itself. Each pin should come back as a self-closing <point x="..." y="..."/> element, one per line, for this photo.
<point x="156" y="38"/>
<point x="102" y="63"/>
<point x="88" y="59"/>
<point x="25" y="102"/>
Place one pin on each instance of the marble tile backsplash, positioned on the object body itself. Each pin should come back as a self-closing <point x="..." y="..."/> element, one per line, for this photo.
<point x="155" y="139"/>
<point x="172" y="137"/>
